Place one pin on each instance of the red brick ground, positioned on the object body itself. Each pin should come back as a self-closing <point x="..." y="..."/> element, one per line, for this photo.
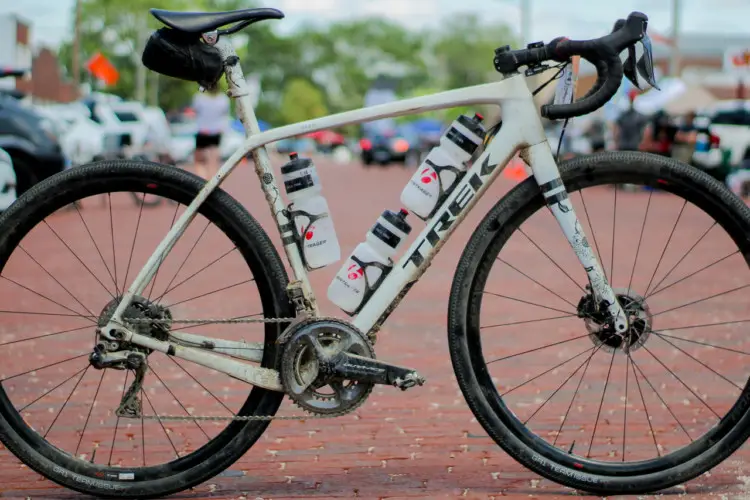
<point x="423" y="444"/>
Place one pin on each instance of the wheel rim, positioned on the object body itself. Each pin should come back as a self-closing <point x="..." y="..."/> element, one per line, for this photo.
<point x="550" y="441"/>
<point x="169" y="377"/>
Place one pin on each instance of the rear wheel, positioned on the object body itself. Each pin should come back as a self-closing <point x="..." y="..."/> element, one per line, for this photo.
<point x="64" y="268"/>
<point x="565" y="397"/>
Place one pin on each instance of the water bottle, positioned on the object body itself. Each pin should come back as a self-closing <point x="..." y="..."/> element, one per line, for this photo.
<point x="444" y="166"/>
<point x="369" y="263"/>
<point x="309" y="213"/>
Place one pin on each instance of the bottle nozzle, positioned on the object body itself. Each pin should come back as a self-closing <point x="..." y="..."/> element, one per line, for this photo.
<point x="404" y="212"/>
<point x="478" y="117"/>
<point x="293" y="155"/>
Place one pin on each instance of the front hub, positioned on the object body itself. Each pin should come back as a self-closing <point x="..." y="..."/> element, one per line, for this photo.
<point x="601" y="329"/>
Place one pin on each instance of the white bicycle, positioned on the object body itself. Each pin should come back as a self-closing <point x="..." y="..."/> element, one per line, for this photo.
<point x="327" y="366"/>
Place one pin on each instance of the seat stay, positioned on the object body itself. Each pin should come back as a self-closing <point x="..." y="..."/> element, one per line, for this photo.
<point x="202" y="22"/>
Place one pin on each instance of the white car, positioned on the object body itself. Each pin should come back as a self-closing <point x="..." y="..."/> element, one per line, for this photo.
<point x="729" y="124"/>
<point x="81" y="138"/>
<point x="7" y="181"/>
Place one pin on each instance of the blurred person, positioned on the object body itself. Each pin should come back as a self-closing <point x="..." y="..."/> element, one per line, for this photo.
<point x="659" y="135"/>
<point x="629" y="127"/>
<point x="212" y="109"/>
<point x="597" y="134"/>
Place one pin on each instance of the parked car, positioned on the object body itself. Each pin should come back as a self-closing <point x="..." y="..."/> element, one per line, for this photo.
<point x="7" y="181"/>
<point x="30" y="140"/>
<point x="399" y="144"/>
<point x="729" y="129"/>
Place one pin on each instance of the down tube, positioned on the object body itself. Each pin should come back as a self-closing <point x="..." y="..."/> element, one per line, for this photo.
<point x="514" y="135"/>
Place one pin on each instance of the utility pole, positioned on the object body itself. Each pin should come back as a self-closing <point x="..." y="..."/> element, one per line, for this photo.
<point x="77" y="46"/>
<point x="525" y="22"/>
<point x="674" y="63"/>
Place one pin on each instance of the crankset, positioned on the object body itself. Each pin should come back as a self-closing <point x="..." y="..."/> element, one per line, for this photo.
<point x="329" y="353"/>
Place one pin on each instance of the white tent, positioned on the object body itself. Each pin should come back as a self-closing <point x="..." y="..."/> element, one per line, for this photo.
<point x="675" y="97"/>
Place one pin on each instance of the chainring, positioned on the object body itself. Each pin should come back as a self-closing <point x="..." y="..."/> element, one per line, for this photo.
<point x="300" y="373"/>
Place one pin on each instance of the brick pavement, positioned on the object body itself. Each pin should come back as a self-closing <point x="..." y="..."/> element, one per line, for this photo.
<point x="423" y="444"/>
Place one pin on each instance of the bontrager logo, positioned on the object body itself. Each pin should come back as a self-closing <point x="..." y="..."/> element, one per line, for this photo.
<point x="445" y="220"/>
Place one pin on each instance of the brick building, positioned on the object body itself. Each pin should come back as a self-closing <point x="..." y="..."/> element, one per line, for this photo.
<point x="46" y="82"/>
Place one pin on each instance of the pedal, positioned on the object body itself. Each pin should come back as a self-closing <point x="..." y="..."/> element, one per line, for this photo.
<point x="363" y="369"/>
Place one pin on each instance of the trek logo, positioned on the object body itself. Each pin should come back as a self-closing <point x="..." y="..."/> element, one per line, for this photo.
<point x="449" y="216"/>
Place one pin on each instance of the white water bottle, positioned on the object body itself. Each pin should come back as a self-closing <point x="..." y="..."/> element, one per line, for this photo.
<point x="309" y="213"/>
<point x="443" y="167"/>
<point x="369" y="263"/>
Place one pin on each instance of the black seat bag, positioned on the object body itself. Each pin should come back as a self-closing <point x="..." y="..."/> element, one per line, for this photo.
<point x="183" y="55"/>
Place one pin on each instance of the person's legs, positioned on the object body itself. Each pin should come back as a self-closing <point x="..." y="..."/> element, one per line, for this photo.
<point x="213" y="156"/>
<point x="199" y="155"/>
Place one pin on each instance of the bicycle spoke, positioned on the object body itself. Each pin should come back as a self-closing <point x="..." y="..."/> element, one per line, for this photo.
<point x="593" y="234"/>
<point x="135" y="238"/>
<point x="575" y="394"/>
<point x="44" y="394"/>
<point x="701" y="300"/>
<point x="664" y="250"/>
<point x="657" y="291"/>
<point x="601" y="402"/>
<point x="114" y="253"/>
<point x="645" y="409"/>
<point x="552" y="260"/>
<point x="91" y="409"/>
<point x="664" y="278"/>
<point x="547" y="371"/>
<point x="196" y="273"/>
<point x="538" y="348"/>
<point x="145" y="394"/>
<point x="612" y="253"/>
<point x="585" y="362"/>
<point x="682" y="382"/>
<point x="44" y="297"/>
<point x="88" y="231"/>
<point x="697" y="360"/>
<point x="59" y="412"/>
<point x="56" y="280"/>
<point x="662" y="334"/>
<point x="182" y="264"/>
<point x="528" y="303"/>
<point x="640" y="239"/>
<point x="117" y="424"/>
<point x="163" y="257"/>
<point x="212" y="292"/>
<point x="171" y="358"/>
<point x="93" y="275"/>
<point x="669" y="409"/>
<point x="625" y="416"/>
<point x="529" y="321"/>
<point x="45" y="366"/>
<point x="536" y="282"/>
<point x="178" y="401"/>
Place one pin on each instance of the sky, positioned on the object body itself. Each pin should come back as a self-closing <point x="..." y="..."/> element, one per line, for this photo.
<point x="52" y="19"/>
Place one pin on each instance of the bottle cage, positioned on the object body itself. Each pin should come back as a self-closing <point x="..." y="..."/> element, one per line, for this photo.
<point x="441" y="195"/>
<point x="369" y="290"/>
<point x="300" y="235"/>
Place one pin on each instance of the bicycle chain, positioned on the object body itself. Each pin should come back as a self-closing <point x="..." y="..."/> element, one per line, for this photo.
<point x="240" y="418"/>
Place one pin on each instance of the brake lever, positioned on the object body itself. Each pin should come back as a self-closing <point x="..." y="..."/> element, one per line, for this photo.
<point x="629" y="67"/>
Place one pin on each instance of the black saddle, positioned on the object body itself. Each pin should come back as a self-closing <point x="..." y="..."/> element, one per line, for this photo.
<point x="203" y="22"/>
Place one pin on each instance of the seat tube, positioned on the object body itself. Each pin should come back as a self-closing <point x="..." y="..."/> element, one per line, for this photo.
<point x="239" y="91"/>
<point x="547" y="176"/>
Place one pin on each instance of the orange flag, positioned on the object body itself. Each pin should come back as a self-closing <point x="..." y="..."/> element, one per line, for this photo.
<point x="102" y="68"/>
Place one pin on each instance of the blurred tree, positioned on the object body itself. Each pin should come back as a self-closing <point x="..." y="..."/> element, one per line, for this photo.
<point x="464" y="48"/>
<point x="302" y="101"/>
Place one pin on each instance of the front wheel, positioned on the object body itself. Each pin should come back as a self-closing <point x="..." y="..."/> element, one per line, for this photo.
<point x="63" y="271"/>
<point x="541" y="369"/>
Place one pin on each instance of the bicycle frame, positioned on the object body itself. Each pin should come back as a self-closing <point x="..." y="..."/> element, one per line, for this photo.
<point x="523" y="132"/>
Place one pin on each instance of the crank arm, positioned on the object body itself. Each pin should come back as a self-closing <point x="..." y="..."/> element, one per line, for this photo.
<point x="352" y="367"/>
<point x="255" y="375"/>
<point x="251" y="351"/>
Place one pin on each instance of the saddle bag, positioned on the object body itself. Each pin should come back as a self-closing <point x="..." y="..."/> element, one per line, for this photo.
<point x="183" y="55"/>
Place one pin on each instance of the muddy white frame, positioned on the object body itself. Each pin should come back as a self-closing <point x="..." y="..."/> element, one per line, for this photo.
<point x="522" y="132"/>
